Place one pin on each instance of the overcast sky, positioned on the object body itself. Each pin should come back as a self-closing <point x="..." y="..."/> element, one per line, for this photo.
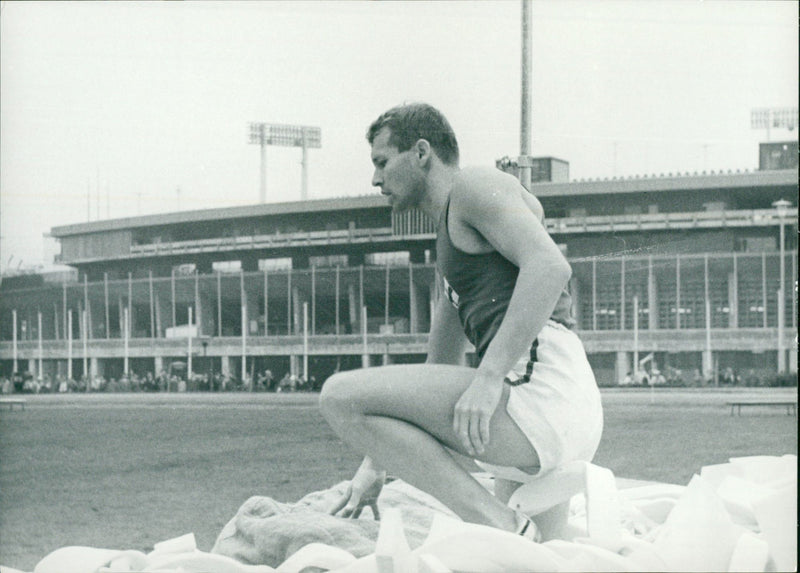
<point x="108" y="109"/>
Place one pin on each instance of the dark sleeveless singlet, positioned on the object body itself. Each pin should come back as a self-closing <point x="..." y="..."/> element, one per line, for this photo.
<point x="480" y="287"/>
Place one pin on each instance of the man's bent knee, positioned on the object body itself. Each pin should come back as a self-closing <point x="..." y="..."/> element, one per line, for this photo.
<point x="337" y="399"/>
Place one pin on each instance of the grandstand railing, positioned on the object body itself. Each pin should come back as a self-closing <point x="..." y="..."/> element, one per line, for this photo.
<point x="665" y="221"/>
<point x="277" y="240"/>
<point x="688" y="340"/>
<point x="564" y="225"/>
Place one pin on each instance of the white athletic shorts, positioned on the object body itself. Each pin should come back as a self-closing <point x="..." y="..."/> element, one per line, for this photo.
<point x="555" y="401"/>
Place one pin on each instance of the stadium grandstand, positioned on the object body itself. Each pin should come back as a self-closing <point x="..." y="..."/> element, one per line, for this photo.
<point x="678" y="278"/>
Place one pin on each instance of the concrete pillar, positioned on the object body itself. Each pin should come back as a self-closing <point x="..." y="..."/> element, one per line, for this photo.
<point x="418" y="310"/>
<point x="48" y="325"/>
<point x="365" y="361"/>
<point x="433" y="293"/>
<point x="733" y="301"/>
<point x="652" y="298"/>
<point x="89" y="319"/>
<point x="158" y="364"/>
<point x="575" y="294"/>
<point x="96" y="367"/>
<point x="386" y="359"/>
<point x="32" y="367"/>
<point x="121" y="315"/>
<point x="251" y="298"/>
<point x="298" y="298"/>
<point x="352" y="304"/>
<point x="623" y="365"/>
<point x="295" y="365"/>
<point x="708" y="365"/>
<point x="206" y="314"/>
<point x="225" y="366"/>
<point x="163" y="313"/>
<point x="126" y="301"/>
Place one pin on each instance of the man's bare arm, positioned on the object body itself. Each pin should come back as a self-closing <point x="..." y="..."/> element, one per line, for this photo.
<point x="446" y="341"/>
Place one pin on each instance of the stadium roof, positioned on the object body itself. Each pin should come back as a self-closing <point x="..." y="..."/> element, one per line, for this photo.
<point x="258" y="210"/>
<point x="643" y="184"/>
<point x="678" y="182"/>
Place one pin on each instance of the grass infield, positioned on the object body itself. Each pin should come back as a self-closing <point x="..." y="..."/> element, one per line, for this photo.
<point x="124" y="471"/>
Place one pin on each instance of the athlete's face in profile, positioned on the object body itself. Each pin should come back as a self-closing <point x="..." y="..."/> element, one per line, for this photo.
<point x="396" y="172"/>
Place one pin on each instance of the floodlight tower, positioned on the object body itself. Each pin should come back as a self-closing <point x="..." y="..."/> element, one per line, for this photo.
<point x="303" y="136"/>
<point x="766" y="118"/>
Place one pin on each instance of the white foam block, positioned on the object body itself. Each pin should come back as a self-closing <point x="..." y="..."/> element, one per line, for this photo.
<point x="698" y="535"/>
<point x="776" y="515"/>
<point x="316" y="555"/>
<point x="603" y="519"/>
<point x="76" y="559"/>
<point x="750" y="554"/>
<point x="392" y="552"/>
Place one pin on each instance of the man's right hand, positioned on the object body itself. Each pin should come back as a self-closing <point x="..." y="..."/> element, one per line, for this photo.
<point x="363" y="491"/>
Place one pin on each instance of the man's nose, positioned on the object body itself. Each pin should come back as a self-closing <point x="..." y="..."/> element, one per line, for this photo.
<point x="377" y="179"/>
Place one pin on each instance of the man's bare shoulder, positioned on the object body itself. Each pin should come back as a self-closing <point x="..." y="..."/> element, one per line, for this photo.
<point x="483" y="189"/>
<point x="481" y="179"/>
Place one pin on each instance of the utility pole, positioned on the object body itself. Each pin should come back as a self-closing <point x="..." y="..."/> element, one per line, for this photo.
<point x="525" y="112"/>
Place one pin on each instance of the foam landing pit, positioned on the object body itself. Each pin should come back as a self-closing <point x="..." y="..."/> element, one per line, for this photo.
<point x="716" y="523"/>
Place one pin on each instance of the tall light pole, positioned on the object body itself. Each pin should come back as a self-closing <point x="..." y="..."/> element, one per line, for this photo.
<point x="782" y="205"/>
<point x="264" y="134"/>
<point x="258" y="134"/>
<point x="525" y="108"/>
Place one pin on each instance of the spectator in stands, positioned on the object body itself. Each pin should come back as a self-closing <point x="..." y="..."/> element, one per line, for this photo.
<point x="260" y="383"/>
<point x="269" y="380"/>
<point x="161" y="381"/>
<point x="532" y="404"/>
<point x="285" y="384"/>
<point x="32" y="385"/>
<point x="728" y="377"/>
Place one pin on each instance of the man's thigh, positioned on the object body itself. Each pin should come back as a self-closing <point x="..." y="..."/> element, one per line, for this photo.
<point x="425" y="395"/>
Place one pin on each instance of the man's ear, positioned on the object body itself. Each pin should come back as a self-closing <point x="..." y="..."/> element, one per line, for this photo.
<point x="423" y="151"/>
